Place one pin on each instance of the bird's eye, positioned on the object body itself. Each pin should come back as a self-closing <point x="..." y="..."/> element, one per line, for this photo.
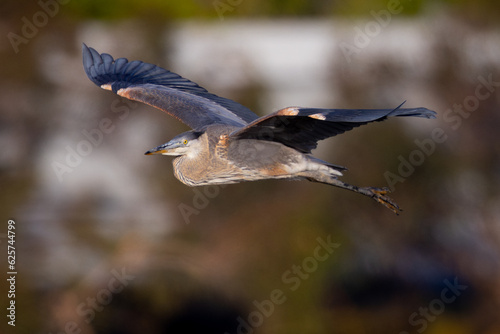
<point x="185" y="141"/>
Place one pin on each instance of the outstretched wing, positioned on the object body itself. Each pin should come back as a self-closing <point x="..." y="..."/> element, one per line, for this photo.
<point x="167" y="91"/>
<point x="302" y="128"/>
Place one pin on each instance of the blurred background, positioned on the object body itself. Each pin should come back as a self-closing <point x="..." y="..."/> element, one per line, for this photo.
<point x="108" y="241"/>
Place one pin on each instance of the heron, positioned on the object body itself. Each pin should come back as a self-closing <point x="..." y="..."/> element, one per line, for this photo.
<point x="228" y="143"/>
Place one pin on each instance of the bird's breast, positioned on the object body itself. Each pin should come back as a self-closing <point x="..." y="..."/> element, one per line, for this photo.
<point x="208" y="170"/>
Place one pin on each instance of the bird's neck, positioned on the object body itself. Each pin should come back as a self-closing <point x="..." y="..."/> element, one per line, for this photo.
<point x="191" y="168"/>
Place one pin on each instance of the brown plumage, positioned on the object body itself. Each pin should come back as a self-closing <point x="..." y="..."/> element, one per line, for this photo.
<point x="229" y="143"/>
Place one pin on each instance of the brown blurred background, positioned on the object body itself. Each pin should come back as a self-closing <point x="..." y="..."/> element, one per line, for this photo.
<point x="108" y="241"/>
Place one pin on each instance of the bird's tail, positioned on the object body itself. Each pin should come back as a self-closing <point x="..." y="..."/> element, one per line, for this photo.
<point x="325" y="167"/>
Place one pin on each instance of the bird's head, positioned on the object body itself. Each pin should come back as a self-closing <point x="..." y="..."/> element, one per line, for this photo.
<point x="186" y="143"/>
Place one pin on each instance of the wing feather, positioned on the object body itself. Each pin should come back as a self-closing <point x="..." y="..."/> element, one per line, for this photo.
<point x="302" y="128"/>
<point x="165" y="90"/>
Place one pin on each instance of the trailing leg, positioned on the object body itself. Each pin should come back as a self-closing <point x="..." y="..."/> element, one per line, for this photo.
<point x="378" y="194"/>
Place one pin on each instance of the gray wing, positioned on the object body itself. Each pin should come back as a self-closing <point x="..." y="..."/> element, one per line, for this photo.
<point x="165" y="90"/>
<point x="302" y="128"/>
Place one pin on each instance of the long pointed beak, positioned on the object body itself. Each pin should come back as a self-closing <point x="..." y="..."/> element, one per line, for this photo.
<point x="156" y="151"/>
<point x="165" y="149"/>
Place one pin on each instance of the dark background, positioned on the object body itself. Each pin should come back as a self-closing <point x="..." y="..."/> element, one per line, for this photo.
<point x="102" y="245"/>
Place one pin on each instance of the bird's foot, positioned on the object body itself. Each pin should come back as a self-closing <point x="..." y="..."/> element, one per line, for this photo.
<point x="380" y="195"/>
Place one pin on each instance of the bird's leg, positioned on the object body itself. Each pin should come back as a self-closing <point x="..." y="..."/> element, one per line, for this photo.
<point x="378" y="194"/>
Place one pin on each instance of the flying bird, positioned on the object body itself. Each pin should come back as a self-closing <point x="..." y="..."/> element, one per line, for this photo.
<point x="228" y="143"/>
